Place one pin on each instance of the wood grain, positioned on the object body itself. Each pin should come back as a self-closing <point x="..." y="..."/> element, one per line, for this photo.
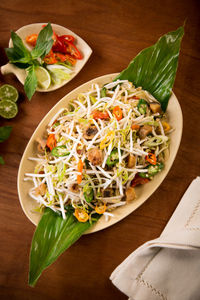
<point x="116" y="31"/>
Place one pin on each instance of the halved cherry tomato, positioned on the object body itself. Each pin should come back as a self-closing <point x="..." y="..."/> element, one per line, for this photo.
<point x="81" y="215"/>
<point x="151" y="158"/>
<point x="117" y="112"/>
<point x="50" y="58"/>
<point x="138" y="180"/>
<point x="97" y="114"/>
<point x="80" y="169"/>
<point x="100" y="209"/>
<point x="51" y="141"/>
<point x="32" y="39"/>
<point x="135" y="127"/>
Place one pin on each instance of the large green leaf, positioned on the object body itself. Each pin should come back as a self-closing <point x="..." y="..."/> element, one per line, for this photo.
<point x="52" y="237"/>
<point x="154" y="68"/>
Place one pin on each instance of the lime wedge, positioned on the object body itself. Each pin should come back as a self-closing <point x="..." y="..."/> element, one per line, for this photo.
<point x="8" y="92"/>
<point x="43" y="78"/>
<point x="59" y="73"/>
<point x="8" y="109"/>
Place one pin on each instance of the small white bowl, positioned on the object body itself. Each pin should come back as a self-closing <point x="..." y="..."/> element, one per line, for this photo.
<point x="143" y="192"/>
<point x="24" y="31"/>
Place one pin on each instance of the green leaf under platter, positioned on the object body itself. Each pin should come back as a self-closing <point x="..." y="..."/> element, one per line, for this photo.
<point x="52" y="237"/>
<point x="154" y="68"/>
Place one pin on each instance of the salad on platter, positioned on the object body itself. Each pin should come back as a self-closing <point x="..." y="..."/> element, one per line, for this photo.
<point x="107" y="141"/>
<point x="94" y="152"/>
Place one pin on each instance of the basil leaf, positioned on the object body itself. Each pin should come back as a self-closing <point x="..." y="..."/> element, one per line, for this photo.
<point x="19" y="53"/>
<point x="30" y="84"/>
<point x="12" y="54"/>
<point x="42" y="50"/>
<point x="21" y="65"/>
<point x="52" y="237"/>
<point x="2" y="161"/>
<point x="154" y="68"/>
<point x="5" y="133"/>
<point x="44" y="42"/>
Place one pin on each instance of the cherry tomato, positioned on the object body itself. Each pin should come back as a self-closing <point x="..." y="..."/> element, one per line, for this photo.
<point x="32" y="39"/>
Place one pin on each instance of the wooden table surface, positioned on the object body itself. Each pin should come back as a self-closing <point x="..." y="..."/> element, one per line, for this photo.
<point x="116" y="31"/>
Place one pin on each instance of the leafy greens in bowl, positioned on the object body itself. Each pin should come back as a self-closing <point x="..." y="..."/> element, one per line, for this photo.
<point x="55" y="234"/>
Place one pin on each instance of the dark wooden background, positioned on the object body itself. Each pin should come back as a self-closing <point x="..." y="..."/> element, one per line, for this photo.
<point x="116" y="31"/>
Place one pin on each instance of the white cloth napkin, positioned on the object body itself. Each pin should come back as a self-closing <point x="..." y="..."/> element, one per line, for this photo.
<point x="167" y="268"/>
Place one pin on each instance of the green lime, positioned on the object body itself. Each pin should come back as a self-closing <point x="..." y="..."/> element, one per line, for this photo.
<point x="8" y="92"/>
<point x="43" y="77"/>
<point x="8" y="109"/>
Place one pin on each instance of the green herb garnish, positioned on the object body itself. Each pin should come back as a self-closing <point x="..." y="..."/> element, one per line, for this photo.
<point x="22" y="58"/>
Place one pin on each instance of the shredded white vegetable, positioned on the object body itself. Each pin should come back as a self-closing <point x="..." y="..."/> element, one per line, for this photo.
<point x="89" y="168"/>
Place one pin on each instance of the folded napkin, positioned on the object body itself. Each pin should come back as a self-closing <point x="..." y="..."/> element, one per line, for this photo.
<point x="167" y="268"/>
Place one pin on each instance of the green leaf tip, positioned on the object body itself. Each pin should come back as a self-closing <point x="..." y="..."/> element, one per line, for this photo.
<point x="154" y="68"/>
<point x="52" y="237"/>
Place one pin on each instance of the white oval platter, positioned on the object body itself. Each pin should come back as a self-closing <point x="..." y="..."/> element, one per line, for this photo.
<point x="143" y="192"/>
